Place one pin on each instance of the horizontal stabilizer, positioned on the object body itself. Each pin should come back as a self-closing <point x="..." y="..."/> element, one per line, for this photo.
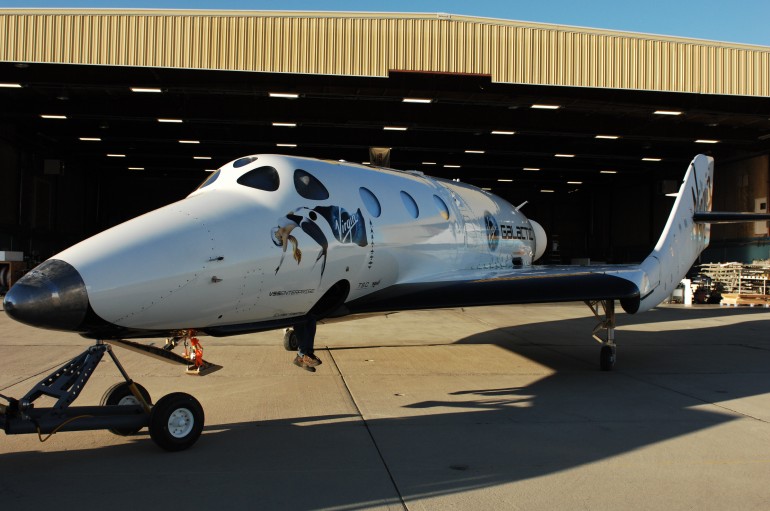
<point x="726" y="217"/>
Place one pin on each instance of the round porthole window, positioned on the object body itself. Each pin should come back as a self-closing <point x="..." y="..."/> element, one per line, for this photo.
<point x="442" y="207"/>
<point x="370" y="201"/>
<point x="410" y="205"/>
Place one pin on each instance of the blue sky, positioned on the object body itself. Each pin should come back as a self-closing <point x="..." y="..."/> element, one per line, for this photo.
<point x="740" y="21"/>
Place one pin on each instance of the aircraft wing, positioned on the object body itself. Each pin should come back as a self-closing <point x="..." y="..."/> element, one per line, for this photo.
<point x="532" y="285"/>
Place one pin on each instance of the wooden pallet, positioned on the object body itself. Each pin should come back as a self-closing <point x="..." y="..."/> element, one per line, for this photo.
<point x="736" y="300"/>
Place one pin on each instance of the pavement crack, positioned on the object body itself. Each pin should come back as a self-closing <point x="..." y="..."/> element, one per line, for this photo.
<point x="369" y="431"/>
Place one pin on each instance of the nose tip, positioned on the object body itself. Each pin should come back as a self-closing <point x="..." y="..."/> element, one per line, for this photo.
<point x="53" y="295"/>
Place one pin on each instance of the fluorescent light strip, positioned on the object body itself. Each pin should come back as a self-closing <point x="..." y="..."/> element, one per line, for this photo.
<point x="574" y="182"/>
<point x="667" y="112"/>
<point x="116" y="155"/>
<point x="365" y="163"/>
<point x="429" y="163"/>
<point x="417" y="100"/>
<point x="287" y="95"/>
<point x="285" y="124"/>
<point x="607" y="137"/>
<point x="10" y="86"/>
<point x="487" y="189"/>
<point x="170" y="120"/>
<point x="90" y="139"/>
<point x="546" y="191"/>
<point x="135" y="168"/>
<point x="145" y="89"/>
<point x="546" y="107"/>
<point x="673" y="194"/>
<point x="706" y="141"/>
<point x="49" y="116"/>
<point x="532" y="169"/>
<point x="506" y="180"/>
<point x="395" y="128"/>
<point x="286" y="145"/>
<point x="189" y="141"/>
<point x="474" y="151"/>
<point x="499" y="132"/>
<point x="564" y="155"/>
<point x="608" y="172"/>
<point x="451" y="166"/>
<point x="652" y="159"/>
<point x="201" y="157"/>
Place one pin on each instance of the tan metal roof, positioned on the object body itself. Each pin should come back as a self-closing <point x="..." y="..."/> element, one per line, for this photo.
<point x="372" y="44"/>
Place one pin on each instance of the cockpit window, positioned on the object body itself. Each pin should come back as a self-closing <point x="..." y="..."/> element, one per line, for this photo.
<point x="309" y="187"/>
<point x="242" y="162"/>
<point x="261" y="178"/>
<point x="213" y="177"/>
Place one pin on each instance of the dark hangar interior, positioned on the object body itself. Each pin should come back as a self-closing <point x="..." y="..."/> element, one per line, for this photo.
<point x="83" y="147"/>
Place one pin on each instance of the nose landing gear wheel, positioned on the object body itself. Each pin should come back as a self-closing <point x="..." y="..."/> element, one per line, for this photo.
<point x="120" y="394"/>
<point x="290" y="341"/>
<point x="176" y="421"/>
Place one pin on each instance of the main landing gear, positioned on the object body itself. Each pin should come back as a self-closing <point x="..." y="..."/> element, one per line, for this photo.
<point x="175" y="422"/>
<point x="607" y="354"/>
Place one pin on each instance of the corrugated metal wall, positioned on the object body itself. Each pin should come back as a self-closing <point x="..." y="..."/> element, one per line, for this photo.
<point x="373" y="44"/>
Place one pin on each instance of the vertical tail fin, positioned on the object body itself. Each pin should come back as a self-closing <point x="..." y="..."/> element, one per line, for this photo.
<point x="683" y="239"/>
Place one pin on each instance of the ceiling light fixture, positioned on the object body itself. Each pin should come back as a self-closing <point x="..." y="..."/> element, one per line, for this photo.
<point x="706" y="141"/>
<point x="451" y="166"/>
<point x="395" y="128"/>
<point x="574" y="182"/>
<point x="506" y="180"/>
<point x="607" y="137"/>
<point x="546" y="107"/>
<point x="429" y="163"/>
<point x="286" y="145"/>
<point x="532" y="169"/>
<point x="135" y="168"/>
<point x="667" y="112"/>
<point x="170" y="120"/>
<point x="285" y="124"/>
<point x="145" y="89"/>
<point x="10" y="86"/>
<point x="499" y="132"/>
<point x="201" y="157"/>
<point x="189" y="141"/>
<point x="564" y="155"/>
<point x="116" y="155"/>
<point x="546" y="191"/>
<point x="90" y="139"/>
<point x="608" y="172"/>
<point x="474" y="151"/>
<point x="50" y="116"/>
<point x="652" y="159"/>
<point x="417" y="100"/>
<point x="287" y="95"/>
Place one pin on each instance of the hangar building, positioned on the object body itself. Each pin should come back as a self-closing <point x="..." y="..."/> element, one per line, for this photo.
<point x="107" y="114"/>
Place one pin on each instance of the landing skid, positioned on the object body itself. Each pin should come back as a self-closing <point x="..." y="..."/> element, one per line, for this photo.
<point x="604" y="310"/>
<point x="175" y="422"/>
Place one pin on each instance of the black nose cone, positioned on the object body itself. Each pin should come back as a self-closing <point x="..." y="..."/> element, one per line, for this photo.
<point x="53" y="295"/>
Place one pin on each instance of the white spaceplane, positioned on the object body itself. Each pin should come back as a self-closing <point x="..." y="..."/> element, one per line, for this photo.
<point x="268" y="240"/>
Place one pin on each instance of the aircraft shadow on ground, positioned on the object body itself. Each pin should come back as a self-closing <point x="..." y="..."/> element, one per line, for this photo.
<point x="571" y="416"/>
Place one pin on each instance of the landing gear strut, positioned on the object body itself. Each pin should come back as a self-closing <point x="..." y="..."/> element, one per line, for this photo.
<point x="607" y="354"/>
<point x="175" y="422"/>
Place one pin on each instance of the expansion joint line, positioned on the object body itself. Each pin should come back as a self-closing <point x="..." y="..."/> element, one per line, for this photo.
<point x="369" y="430"/>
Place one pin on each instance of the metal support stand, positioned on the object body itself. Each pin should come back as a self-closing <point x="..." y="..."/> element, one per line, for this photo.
<point x="606" y="322"/>
<point x="65" y="385"/>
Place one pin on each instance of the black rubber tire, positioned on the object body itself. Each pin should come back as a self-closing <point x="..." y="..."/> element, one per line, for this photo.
<point x="188" y="417"/>
<point x="120" y="394"/>
<point x="290" y="341"/>
<point x="607" y="358"/>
